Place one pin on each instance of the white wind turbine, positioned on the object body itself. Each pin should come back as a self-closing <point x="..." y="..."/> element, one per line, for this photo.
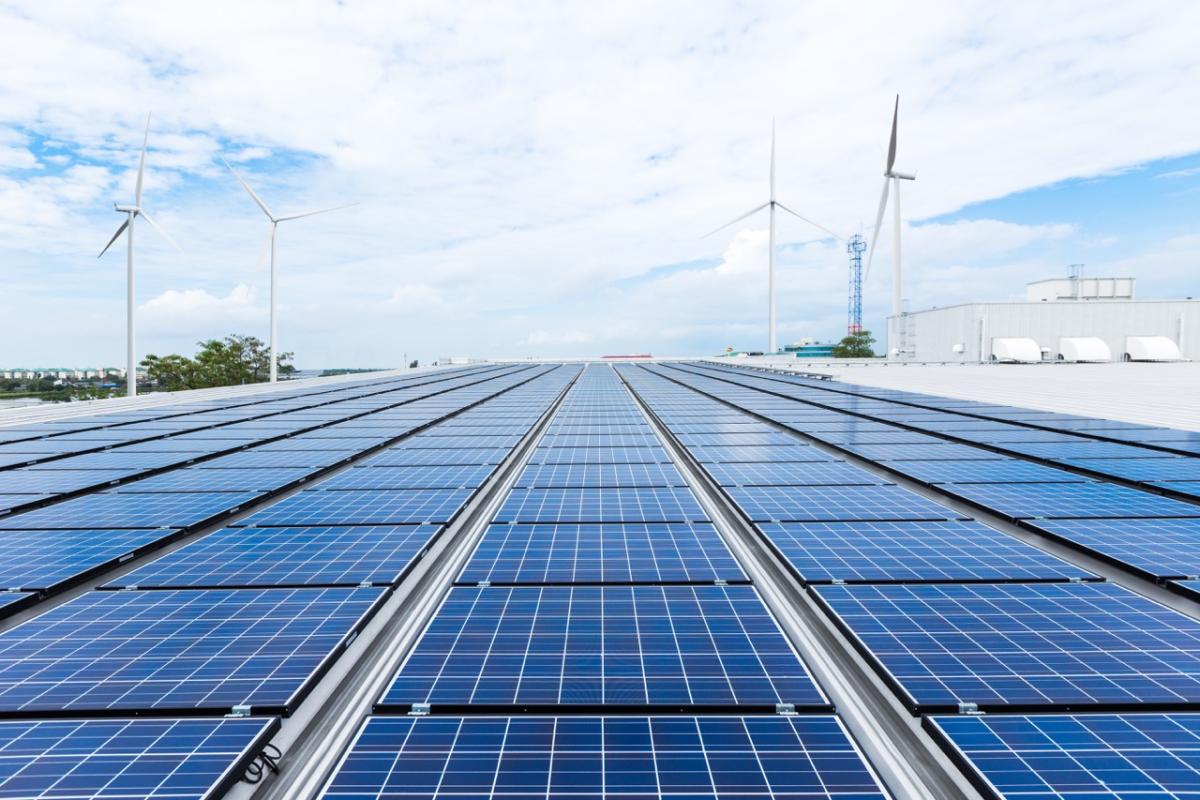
<point x="890" y="175"/>
<point x="132" y="212"/>
<point x="771" y="205"/>
<point x="275" y="220"/>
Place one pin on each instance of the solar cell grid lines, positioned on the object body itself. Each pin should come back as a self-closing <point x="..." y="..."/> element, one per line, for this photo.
<point x="766" y="453"/>
<point x="443" y="477"/>
<point x="257" y="459"/>
<point x="113" y="459"/>
<point x="119" y="759"/>
<point x="1154" y="548"/>
<point x="1070" y="500"/>
<point x="466" y="441"/>
<point x="192" y="479"/>
<point x="802" y="473"/>
<point x="305" y="556"/>
<point x="678" y="646"/>
<point x="38" y="560"/>
<point x="357" y="507"/>
<point x="757" y="439"/>
<point x="176" y="650"/>
<point x="599" y="455"/>
<point x="1078" y="449"/>
<point x="625" y="553"/>
<point x="1007" y="470"/>
<point x="1061" y="756"/>
<point x="1024" y="646"/>
<point x="1161" y="468"/>
<point x="912" y="552"/>
<point x="394" y="457"/>
<point x="942" y="451"/>
<point x="599" y="475"/>
<point x="648" y="504"/>
<point x="835" y="503"/>
<point x="114" y="510"/>
<point x="578" y="440"/>
<point x="755" y="758"/>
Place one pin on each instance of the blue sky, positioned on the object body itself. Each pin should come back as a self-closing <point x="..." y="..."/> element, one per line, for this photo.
<point x="535" y="179"/>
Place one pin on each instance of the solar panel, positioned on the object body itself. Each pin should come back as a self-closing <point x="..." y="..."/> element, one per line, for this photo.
<point x="177" y="650"/>
<point x="921" y="452"/>
<point x="1079" y="449"/>
<point x="192" y="479"/>
<point x="765" y="438"/>
<point x="117" y="459"/>
<point x="617" y="758"/>
<point x="438" y="457"/>
<point x="1017" y="646"/>
<point x="120" y="759"/>
<point x="650" y="504"/>
<point x="446" y="477"/>
<point x="302" y="443"/>
<point x="621" y="646"/>
<point x="803" y="473"/>
<point x="882" y="552"/>
<point x="1008" y="470"/>
<point x="1191" y="488"/>
<point x="257" y="459"/>
<point x="766" y="453"/>
<point x="1078" y="757"/>
<point x="1070" y="500"/>
<point x="464" y="441"/>
<point x="600" y="440"/>
<point x="113" y="510"/>
<point x="627" y="553"/>
<point x="1191" y="588"/>
<point x="36" y="560"/>
<point x="353" y="507"/>
<point x="253" y="557"/>
<point x="8" y="502"/>
<point x="598" y="455"/>
<point x="1156" y="548"/>
<point x="599" y="475"/>
<point x="835" y="503"/>
<point x="894" y="436"/>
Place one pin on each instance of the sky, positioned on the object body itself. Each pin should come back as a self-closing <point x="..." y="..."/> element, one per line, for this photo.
<point x="536" y="179"/>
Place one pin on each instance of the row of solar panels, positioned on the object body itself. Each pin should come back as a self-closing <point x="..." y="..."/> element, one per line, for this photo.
<point x="957" y="616"/>
<point x="244" y="619"/>
<point x="601" y="588"/>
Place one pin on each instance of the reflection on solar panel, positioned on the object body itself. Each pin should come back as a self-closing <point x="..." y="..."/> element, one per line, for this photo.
<point x="329" y="556"/>
<point x="1143" y="469"/>
<point x="112" y="510"/>
<point x="823" y="473"/>
<point x="882" y="552"/>
<point x="119" y="759"/>
<point x="46" y="481"/>
<point x="217" y="480"/>
<point x="632" y="646"/>
<point x="447" y="477"/>
<point x="390" y="507"/>
<point x="835" y="503"/>
<point x="659" y="553"/>
<point x="752" y="758"/>
<point x="1080" y="449"/>
<point x="437" y="457"/>
<point x="1009" y="470"/>
<point x="598" y="455"/>
<point x="1023" y="646"/>
<point x="1157" y="548"/>
<point x="1073" y="757"/>
<point x="548" y="476"/>
<point x="1071" y="500"/>
<point x="652" y="504"/>
<point x="45" y="559"/>
<point x="194" y="650"/>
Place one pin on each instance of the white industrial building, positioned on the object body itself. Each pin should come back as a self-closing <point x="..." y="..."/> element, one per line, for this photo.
<point x="1068" y="319"/>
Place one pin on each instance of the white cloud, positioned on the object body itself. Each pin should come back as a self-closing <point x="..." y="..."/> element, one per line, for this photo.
<point x="543" y="338"/>
<point x="208" y="315"/>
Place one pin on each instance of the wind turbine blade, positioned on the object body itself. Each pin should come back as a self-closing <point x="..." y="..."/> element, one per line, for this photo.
<point x="318" y="211"/>
<point x="160" y="231"/>
<point x="834" y="234"/>
<point x="878" y="225"/>
<point x="137" y="192"/>
<point x="772" y="158"/>
<point x="749" y="213"/>
<point x="116" y="236"/>
<point x="892" y="145"/>
<point x="250" y="191"/>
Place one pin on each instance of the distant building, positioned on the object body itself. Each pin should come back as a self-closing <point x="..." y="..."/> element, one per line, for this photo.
<point x="1084" y="319"/>
<point x="810" y="348"/>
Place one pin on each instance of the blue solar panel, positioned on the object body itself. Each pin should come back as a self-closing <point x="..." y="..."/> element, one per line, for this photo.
<point x="460" y="442"/>
<point x="351" y="507"/>
<point x="651" y="504"/>
<point x="765" y="438"/>
<point x="631" y="646"/>
<point x="881" y="552"/>
<point x="1023" y="646"/>
<point x="766" y="453"/>
<point x="894" y="436"/>
<point x="1157" y="548"/>
<point x="46" y="559"/>
<point x="257" y="459"/>
<point x="835" y="504"/>
<point x="600" y="440"/>
<point x="121" y="759"/>
<point x="557" y="428"/>
<point x="1078" y="757"/>
<point x="1190" y="587"/>
<point x="1070" y="500"/>
<point x="118" y="459"/>
<point x="1008" y="470"/>
<point x="804" y="473"/>
<point x="1078" y="449"/>
<point x="177" y="650"/>
<point x="561" y="476"/>
<point x="8" y="502"/>
<point x="628" y="553"/>
<point x="328" y="556"/>
<point x="599" y="455"/>
<point x="437" y="458"/>
<point x="1164" y="468"/>
<point x="193" y="479"/>
<point x="302" y="443"/>
<point x="112" y="510"/>
<point x="605" y="758"/>
<point x="447" y="477"/>
<point x="921" y="452"/>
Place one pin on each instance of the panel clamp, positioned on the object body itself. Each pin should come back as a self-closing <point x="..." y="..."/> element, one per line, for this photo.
<point x="786" y="709"/>
<point x="969" y="708"/>
<point x="419" y="710"/>
<point x="239" y="711"/>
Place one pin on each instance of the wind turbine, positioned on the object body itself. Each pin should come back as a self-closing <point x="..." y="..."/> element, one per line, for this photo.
<point x="890" y="174"/>
<point x="771" y="205"/>
<point x="132" y="212"/>
<point x="275" y="220"/>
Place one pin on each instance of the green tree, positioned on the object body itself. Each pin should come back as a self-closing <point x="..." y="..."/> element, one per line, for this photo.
<point x="230" y="361"/>
<point x="856" y="345"/>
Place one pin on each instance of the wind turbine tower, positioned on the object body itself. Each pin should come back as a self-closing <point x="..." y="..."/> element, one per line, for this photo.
<point x="891" y="178"/>
<point x="855" y="248"/>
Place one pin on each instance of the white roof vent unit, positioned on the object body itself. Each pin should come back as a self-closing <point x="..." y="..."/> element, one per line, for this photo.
<point x="1016" y="350"/>
<point x="1151" y="348"/>
<point x="1083" y="348"/>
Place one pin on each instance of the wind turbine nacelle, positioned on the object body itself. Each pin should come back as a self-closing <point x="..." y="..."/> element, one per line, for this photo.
<point x="904" y="176"/>
<point x="126" y="209"/>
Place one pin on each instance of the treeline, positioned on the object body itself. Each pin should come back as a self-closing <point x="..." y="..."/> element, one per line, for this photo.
<point x="230" y="361"/>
